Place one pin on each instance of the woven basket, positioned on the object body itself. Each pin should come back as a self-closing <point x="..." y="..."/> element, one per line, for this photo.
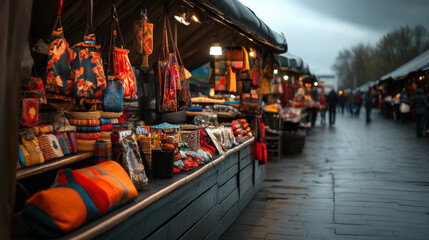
<point x="110" y="115"/>
<point x="86" y="145"/>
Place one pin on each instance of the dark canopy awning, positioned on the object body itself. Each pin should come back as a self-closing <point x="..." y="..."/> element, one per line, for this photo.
<point x="293" y="63"/>
<point x="419" y="63"/>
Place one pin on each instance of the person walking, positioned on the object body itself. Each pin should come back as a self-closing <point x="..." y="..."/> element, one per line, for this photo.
<point x="332" y="101"/>
<point x="421" y="107"/>
<point x="343" y="100"/>
<point x="368" y="99"/>
<point x="358" y="102"/>
<point x="350" y="101"/>
<point x="322" y="102"/>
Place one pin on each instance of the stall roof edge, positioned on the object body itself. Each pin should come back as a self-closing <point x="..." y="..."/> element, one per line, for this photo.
<point x="421" y="62"/>
<point x="240" y="17"/>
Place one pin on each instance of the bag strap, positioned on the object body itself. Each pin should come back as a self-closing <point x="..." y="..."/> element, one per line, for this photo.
<point x="116" y="21"/>
<point x="89" y="17"/>
<point x="58" y="19"/>
<point x="113" y="34"/>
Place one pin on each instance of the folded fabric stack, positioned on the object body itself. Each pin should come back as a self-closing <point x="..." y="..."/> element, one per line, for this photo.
<point x="105" y="128"/>
<point x="88" y="129"/>
<point x="103" y="150"/>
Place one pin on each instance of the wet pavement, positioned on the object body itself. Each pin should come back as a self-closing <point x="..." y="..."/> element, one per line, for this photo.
<point x="353" y="181"/>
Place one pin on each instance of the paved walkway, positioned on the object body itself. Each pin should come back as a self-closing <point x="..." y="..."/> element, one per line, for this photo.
<point x="353" y="181"/>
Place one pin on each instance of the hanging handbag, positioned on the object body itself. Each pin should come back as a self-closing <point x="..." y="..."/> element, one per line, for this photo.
<point x="59" y="82"/>
<point x="30" y="111"/>
<point x="184" y="94"/>
<point x="35" y="89"/>
<point x="259" y="146"/>
<point x="87" y="70"/>
<point x="168" y="76"/>
<point x="143" y="31"/>
<point x="256" y="74"/>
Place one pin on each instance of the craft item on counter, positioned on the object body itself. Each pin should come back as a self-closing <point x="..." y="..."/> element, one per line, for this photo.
<point x="113" y="120"/>
<point x="50" y="147"/>
<point x="24" y="159"/>
<point x="214" y="140"/>
<point x="43" y="129"/>
<point x="104" y="121"/>
<point x="106" y="134"/>
<point x="165" y="128"/>
<point x="88" y="136"/>
<point x="168" y="147"/>
<point x="64" y="143"/>
<point x="30" y="112"/>
<point x="33" y="149"/>
<point x="84" y="122"/>
<point x="87" y="129"/>
<point x="78" y="197"/>
<point x="113" y="95"/>
<point x="192" y="138"/>
<point x="73" y="142"/>
<point x="88" y="72"/>
<point x="132" y="161"/>
<point x="35" y="89"/>
<point x="103" y="150"/>
<point x="83" y="115"/>
<point x="163" y="163"/>
<point x="195" y="109"/>
<point x="86" y="145"/>
<point x="106" y="127"/>
<point x="110" y="115"/>
<point x="140" y="130"/>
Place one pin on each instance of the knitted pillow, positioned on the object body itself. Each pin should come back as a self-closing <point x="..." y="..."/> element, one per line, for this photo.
<point x="50" y="147"/>
<point x="64" y="143"/>
<point x="33" y="149"/>
<point x="73" y="142"/>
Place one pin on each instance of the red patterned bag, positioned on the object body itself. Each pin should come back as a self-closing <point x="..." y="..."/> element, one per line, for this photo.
<point x="30" y="112"/>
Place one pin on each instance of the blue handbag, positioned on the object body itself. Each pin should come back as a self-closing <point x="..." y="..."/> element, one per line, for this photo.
<point x="113" y="95"/>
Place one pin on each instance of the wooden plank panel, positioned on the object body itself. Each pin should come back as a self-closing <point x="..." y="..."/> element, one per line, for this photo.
<point x="227" y="188"/>
<point x="203" y="227"/>
<point x="228" y="174"/>
<point x="224" y="223"/>
<point x="188" y="217"/>
<point x="246" y="161"/>
<point x="246" y="173"/>
<point x="154" y="216"/>
<point x="246" y="186"/>
<point x="229" y="201"/>
<point x="228" y="162"/>
<point x="244" y="152"/>
<point x="246" y="193"/>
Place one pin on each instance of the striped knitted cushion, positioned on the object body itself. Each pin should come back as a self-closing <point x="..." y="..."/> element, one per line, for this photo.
<point x="64" y="143"/>
<point x="87" y="129"/>
<point x="104" y="121"/>
<point x="88" y="136"/>
<point x="103" y="150"/>
<point x="106" y="127"/>
<point x="50" y="147"/>
<point x="34" y="151"/>
<point x="23" y="157"/>
<point x="73" y="142"/>
<point x="79" y="197"/>
<point x="84" y="122"/>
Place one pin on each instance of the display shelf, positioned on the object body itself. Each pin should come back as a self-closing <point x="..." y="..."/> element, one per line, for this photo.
<point x="51" y="165"/>
<point x="219" y="114"/>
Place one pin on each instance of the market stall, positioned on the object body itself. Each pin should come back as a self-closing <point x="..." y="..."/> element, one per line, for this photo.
<point x="82" y="141"/>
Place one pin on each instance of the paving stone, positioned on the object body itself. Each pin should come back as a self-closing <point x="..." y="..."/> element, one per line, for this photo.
<point x="353" y="181"/>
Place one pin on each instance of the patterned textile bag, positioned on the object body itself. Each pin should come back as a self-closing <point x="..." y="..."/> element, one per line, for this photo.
<point x="87" y="71"/>
<point x="58" y="71"/>
<point x="30" y="112"/>
<point x="143" y="31"/>
<point x="113" y="95"/>
<point x="35" y="89"/>
<point x="184" y="93"/>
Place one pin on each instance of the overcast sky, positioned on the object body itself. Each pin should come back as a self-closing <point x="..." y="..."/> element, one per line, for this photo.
<point x="316" y="30"/>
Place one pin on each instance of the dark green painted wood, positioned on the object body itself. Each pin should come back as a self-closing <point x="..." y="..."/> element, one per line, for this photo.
<point x="224" y="223"/>
<point x="246" y="161"/>
<point x="188" y="217"/>
<point x="227" y="175"/>
<point x="227" y="188"/>
<point x="244" y="152"/>
<point x="229" y="201"/>
<point x="227" y="163"/>
<point x="246" y="173"/>
<point x="203" y="227"/>
<point x="246" y="193"/>
<point x="155" y="215"/>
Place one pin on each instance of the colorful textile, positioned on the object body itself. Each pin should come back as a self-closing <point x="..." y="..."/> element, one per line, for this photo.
<point x="106" y="135"/>
<point x="30" y="112"/>
<point x="73" y="142"/>
<point x="103" y="150"/>
<point x="122" y="68"/>
<point x="144" y="40"/>
<point x="35" y="89"/>
<point x="79" y="197"/>
<point x="87" y="129"/>
<point x="104" y="121"/>
<point x="23" y="157"/>
<point x="50" y="147"/>
<point x="43" y="129"/>
<point x="58" y="70"/>
<point x="106" y="127"/>
<point x="113" y="95"/>
<point x="116" y="146"/>
<point x="64" y="142"/>
<point x="89" y="136"/>
<point x="33" y="149"/>
<point x="84" y="122"/>
<point x="86" y="145"/>
<point x="192" y="138"/>
<point x="88" y="72"/>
